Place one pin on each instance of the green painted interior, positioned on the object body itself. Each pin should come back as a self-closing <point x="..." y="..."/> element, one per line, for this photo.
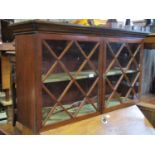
<point x="60" y="115"/>
<point x="82" y="75"/>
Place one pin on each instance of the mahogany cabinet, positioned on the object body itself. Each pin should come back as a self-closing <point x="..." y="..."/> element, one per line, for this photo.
<point x="67" y="73"/>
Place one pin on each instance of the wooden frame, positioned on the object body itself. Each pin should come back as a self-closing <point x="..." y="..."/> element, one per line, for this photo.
<point x="30" y="39"/>
<point x="115" y="59"/>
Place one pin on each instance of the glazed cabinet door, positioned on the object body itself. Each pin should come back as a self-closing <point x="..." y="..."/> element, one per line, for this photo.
<point x="122" y="71"/>
<point x="70" y="78"/>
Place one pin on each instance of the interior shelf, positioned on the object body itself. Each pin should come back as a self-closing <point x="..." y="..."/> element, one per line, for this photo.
<point x="60" y="77"/>
<point x="114" y="72"/>
<point x="60" y="114"/>
<point x="116" y="101"/>
<point x="65" y="77"/>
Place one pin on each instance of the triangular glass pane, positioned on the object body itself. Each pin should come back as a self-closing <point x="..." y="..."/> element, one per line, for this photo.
<point x="57" y="45"/>
<point x="73" y="59"/>
<point x="89" y="76"/>
<point x="59" y="115"/>
<point x="131" y="95"/>
<point x="47" y="100"/>
<point x="112" y="103"/>
<point x="133" y="47"/>
<point x="85" y="84"/>
<point x="131" y="75"/>
<point x="52" y="70"/>
<point x="87" y="109"/>
<point x="47" y="59"/>
<point x="113" y="76"/>
<point x="135" y="51"/>
<point x="88" y="73"/>
<point x="123" y="87"/>
<point x="94" y="59"/>
<point x="108" y="88"/>
<point x="109" y="57"/>
<point x="57" y="88"/>
<point x="58" y="75"/>
<point x="124" y="57"/>
<point x="49" y="104"/>
<point x="115" y="46"/>
<point x="91" y="101"/>
<point x="86" y="46"/>
<point x="110" y="61"/>
<point x="72" y="99"/>
<point x="114" y="98"/>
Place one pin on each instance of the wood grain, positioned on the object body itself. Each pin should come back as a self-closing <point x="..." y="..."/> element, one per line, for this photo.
<point x="32" y="36"/>
<point x="127" y="121"/>
<point x="147" y="106"/>
<point x="52" y="27"/>
<point x="27" y="75"/>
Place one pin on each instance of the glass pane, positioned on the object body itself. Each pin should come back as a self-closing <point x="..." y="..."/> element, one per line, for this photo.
<point x="69" y="76"/>
<point x="122" y="73"/>
<point x="90" y="103"/>
<point x="58" y="116"/>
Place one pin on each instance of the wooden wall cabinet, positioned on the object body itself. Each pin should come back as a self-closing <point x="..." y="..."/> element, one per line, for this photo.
<point x="67" y="73"/>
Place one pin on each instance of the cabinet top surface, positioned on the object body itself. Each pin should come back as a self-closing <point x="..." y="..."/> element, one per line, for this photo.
<point x="34" y="26"/>
<point x="126" y="121"/>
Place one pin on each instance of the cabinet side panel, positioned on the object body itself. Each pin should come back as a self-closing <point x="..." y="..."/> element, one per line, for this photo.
<point x="25" y="73"/>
